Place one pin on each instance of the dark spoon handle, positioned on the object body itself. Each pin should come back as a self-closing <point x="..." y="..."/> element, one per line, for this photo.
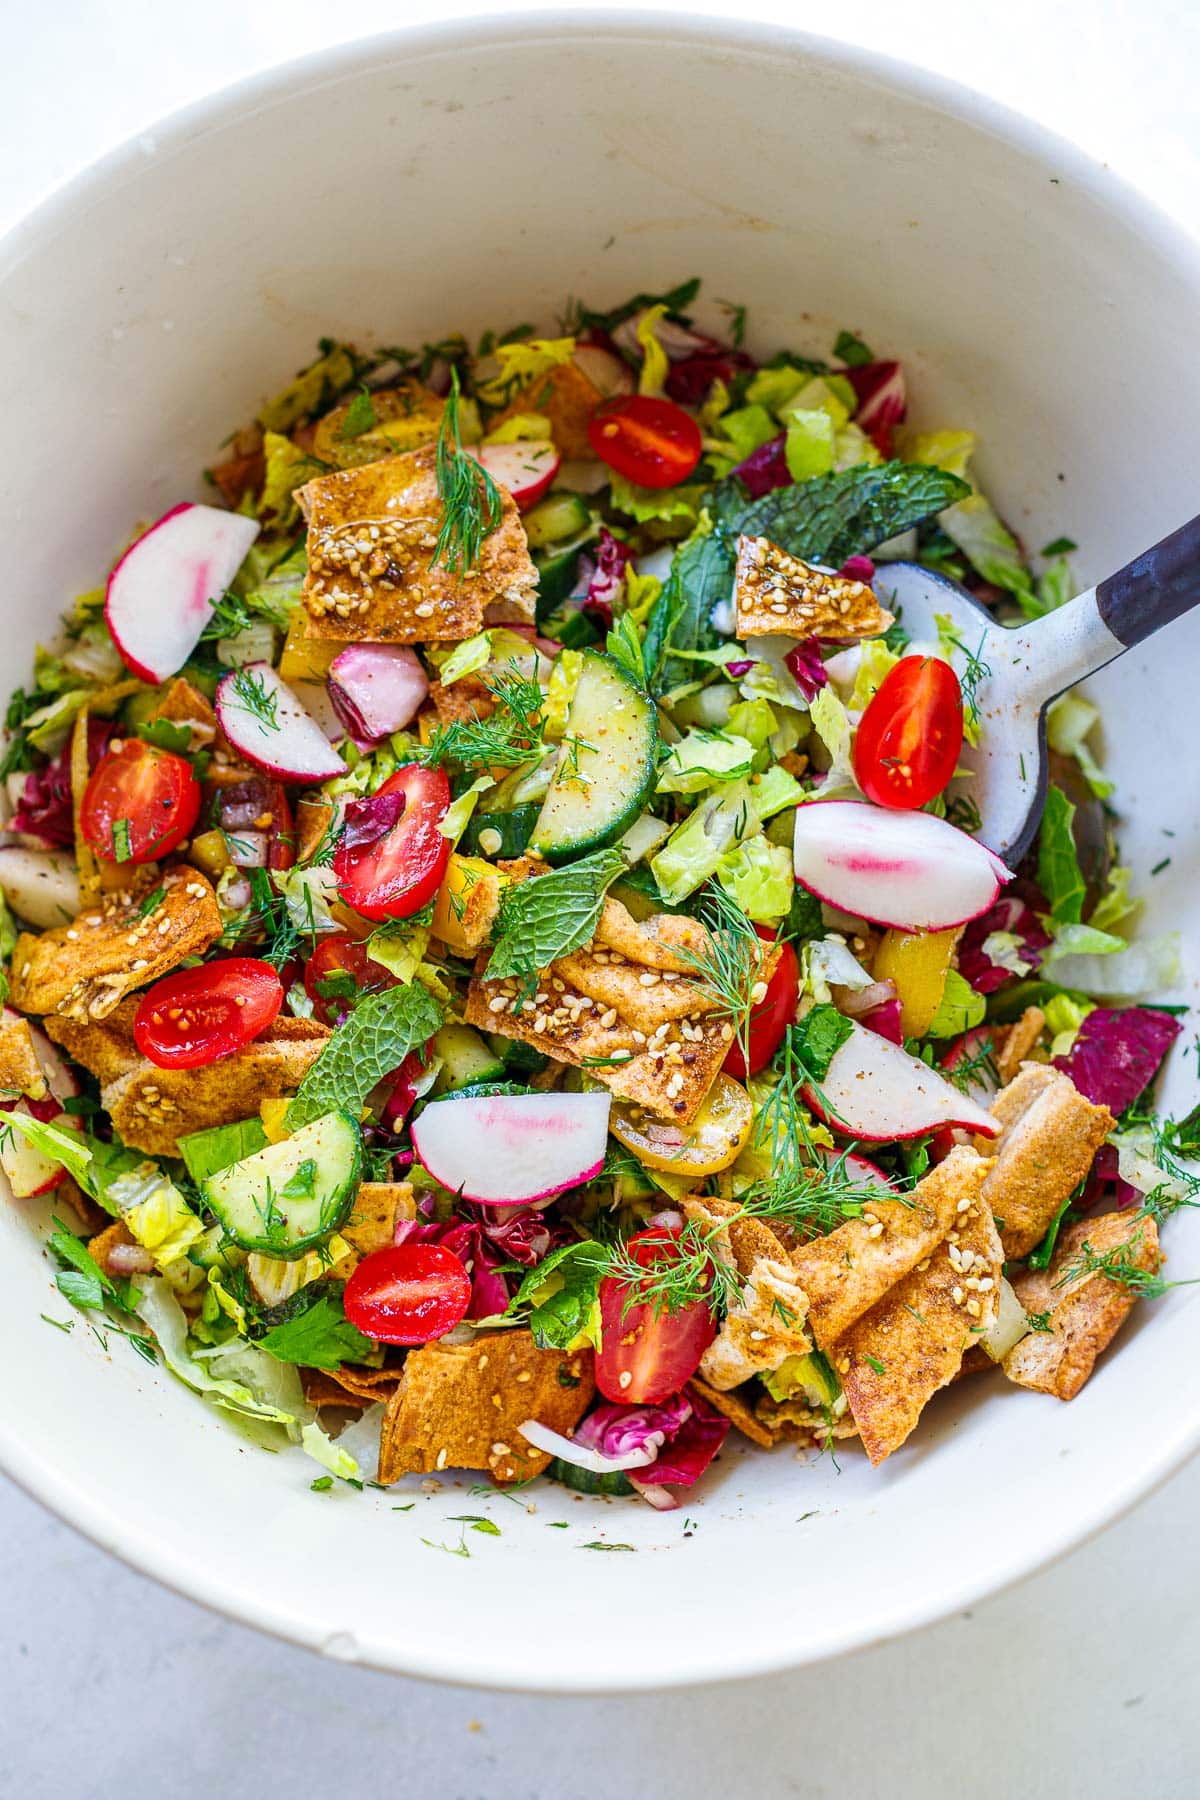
<point x="1159" y="585"/>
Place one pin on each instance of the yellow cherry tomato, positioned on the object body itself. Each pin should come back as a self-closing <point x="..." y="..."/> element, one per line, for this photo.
<point x="712" y="1141"/>
<point x="918" y="963"/>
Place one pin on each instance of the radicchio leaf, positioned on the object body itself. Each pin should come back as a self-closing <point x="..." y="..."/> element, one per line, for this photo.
<point x="368" y="820"/>
<point x="804" y="661"/>
<point x="1117" y="1053"/>
<point x="607" y="579"/>
<point x="688" y="1431"/>
<point x="1014" y="916"/>
<point x="44" y="809"/>
<point x="765" y="469"/>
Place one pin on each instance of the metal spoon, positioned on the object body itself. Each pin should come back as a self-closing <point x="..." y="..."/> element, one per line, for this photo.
<point x="1027" y="666"/>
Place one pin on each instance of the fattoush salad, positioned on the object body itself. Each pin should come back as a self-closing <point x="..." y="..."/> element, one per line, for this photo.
<point x="500" y="975"/>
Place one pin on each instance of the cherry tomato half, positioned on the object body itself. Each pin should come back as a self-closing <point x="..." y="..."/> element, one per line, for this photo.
<point x="139" y="803"/>
<point x="399" y="872"/>
<point x="908" y="743"/>
<point x="197" y="1016"/>
<point x="643" y="1357"/>
<point x="651" y="442"/>
<point x="339" y="970"/>
<point x="407" y="1293"/>
<point x="770" y="1018"/>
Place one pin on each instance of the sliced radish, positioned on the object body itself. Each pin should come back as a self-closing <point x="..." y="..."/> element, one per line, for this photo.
<point x="161" y="593"/>
<point x="513" y="1149"/>
<point x="30" y="1172"/>
<point x="906" y="869"/>
<point x="525" y="468"/>
<point x="983" y="1081"/>
<point x="41" y="886"/>
<point x="876" y="1091"/>
<point x="860" y="1170"/>
<point x="27" y="1171"/>
<point x="377" y="688"/>
<point x="266" y="724"/>
<point x="606" y="372"/>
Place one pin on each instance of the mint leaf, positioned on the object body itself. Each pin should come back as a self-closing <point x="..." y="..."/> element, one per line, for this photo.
<point x="557" y="1318"/>
<point x="818" y="1037"/>
<point x="204" y="1153"/>
<point x="320" y="1337"/>
<point x="1059" y="875"/>
<point x="370" y="1044"/>
<point x="550" y="915"/>
<point x="852" y="351"/>
<point x="82" y="1281"/>
<point x="360" y="416"/>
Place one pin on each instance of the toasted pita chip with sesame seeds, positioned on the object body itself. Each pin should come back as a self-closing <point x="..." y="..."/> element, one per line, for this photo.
<point x="1048" y="1142"/>
<point x="179" y="703"/>
<point x="352" y="1385"/>
<point x="802" y="1423"/>
<point x="459" y="1406"/>
<point x="759" y="1330"/>
<point x="894" y="1358"/>
<point x="83" y="970"/>
<point x="741" y="1240"/>
<point x="104" y="1047"/>
<point x="737" y="1408"/>
<point x="778" y="594"/>
<point x="372" y="532"/>
<point x="566" y="397"/>
<point x="847" y="1272"/>
<point x="152" y="1108"/>
<point x="466" y="698"/>
<point x="1086" y="1311"/>
<point x="21" y="1070"/>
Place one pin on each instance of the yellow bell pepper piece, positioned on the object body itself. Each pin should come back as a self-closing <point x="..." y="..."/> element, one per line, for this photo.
<point x="305" y="658"/>
<point x="467" y="903"/>
<point x="273" y="1114"/>
<point x="209" y="852"/>
<point x="918" y="963"/>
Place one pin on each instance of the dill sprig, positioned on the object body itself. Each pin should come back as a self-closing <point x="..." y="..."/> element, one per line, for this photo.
<point x="511" y="736"/>
<point x="975" y="671"/>
<point x="684" y="1270"/>
<point x="728" y="966"/>
<point x="251" y="690"/>
<point x="1118" y="1264"/>
<point x="283" y="940"/>
<point x="230" y="617"/>
<point x="979" y="1066"/>
<point x="471" y="504"/>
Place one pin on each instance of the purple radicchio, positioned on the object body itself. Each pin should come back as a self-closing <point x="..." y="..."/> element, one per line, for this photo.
<point x="687" y="1430"/>
<point x="44" y="809"/>
<point x="804" y="661"/>
<point x="1013" y="917"/>
<point x="606" y="582"/>
<point x="482" y="1245"/>
<point x="765" y="469"/>
<point x="1117" y="1053"/>
<point x="366" y="821"/>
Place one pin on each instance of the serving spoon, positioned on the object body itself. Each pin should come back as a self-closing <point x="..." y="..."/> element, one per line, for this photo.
<point x="1022" y="668"/>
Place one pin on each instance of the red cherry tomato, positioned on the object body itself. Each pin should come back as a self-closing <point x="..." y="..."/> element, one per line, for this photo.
<point x="197" y="1016"/>
<point x="908" y="743"/>
<point x="150" y="794"/>
<point x="408" y="1293"/>
<point x="338" y="970"/>
<point x="770" y="1018"/>
<point x="643" y="1357"/>
<point x="401" y="870"/>
<point x="651" y="442"/>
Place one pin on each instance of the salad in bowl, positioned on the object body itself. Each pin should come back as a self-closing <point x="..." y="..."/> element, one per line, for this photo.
<point x="502" y="972"/>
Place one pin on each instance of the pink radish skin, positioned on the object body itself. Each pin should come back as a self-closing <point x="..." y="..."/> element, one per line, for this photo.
<point x="606" y="372"/>
<point x="288" y="743"/>
<point x="875" y="1091"/>
<point x="160" y="595"/>
<point x="904" y="869"/>
<point x="376" y="689"/>
<point x="861" y="1171"/>
<point x="525" y="469"/>
<point x="27" y="1171"/>
<point x="513" y="1149"/>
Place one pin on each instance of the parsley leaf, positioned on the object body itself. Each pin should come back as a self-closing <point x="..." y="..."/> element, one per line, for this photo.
<point x="817" y="1038"/>
<point x="166" y="734"/>
<point x="369" y="1044"/>
<point x="360" y="416"/>
<point x="1059" y="875"/>
<point x="550" y="915"/>
<point x="321" y="1337"/>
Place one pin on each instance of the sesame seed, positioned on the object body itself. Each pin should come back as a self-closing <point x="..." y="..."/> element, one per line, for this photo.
<point x="625" y="1378"/>
<point x="443" y="1457"/>
<point x="497" y="1003"/>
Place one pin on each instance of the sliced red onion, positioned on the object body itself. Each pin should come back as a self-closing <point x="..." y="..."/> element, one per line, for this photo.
<point x="248" y="849"/>
<point x="858" y="1001"/>
<point x="677" y="340"/>
<point x="376" y="688"/>
<point x="130" y="1259"/>
<point x="568" y="1451"/>
<point x="807" y="667"/>
<point x="660" y="1498"/>
<point x="743" y="666"/>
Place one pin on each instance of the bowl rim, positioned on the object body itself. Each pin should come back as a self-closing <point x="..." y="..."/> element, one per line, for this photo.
<point x="66" y="1495"/>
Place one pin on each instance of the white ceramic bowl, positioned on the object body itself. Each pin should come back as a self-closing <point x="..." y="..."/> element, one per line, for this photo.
<point x="474" y="175"/>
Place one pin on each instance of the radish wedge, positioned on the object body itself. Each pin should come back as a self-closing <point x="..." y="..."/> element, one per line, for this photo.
<point x="876" y="1091"/>
<point x="606" y="372"/>
<point x="161" y="593"/>
<point x="905" y="869"/>
<point x="30" y="1172"/>
<point x="266" y="724"/>
<point x="860" y="1170"/>
<point x="513" y="1149"/>
<point x="525" y="468"/>
<point x="376" y="689"/>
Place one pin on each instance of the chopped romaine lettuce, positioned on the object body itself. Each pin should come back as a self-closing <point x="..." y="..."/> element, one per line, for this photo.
<point x="758" y="875"/>
<point x="1069" y="722"/>
<point x="701" y="759"/>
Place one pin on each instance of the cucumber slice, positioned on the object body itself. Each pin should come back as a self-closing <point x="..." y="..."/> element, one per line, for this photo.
<point x="584" y="1482"/>
<point x="573" y="630"/>
<point x="557" y="574"/>
<point x="288" y="1198"/>
<point x="518" y="1058"/>
<point x="475" y="1089"/>
<point x="556" y="518"/>
<point x="513" y="829"/>
<point x="607" y="765"/>
<point x="466" y="1058"/>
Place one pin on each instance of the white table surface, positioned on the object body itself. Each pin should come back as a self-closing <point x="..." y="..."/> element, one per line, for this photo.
<point x="1082" y="1681"/>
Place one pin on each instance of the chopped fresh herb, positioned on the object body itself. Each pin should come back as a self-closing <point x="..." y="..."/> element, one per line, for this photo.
<point x="58" y="1324"/>
<point x="852" y="351"/>
<point x="166" y="734"/>
<point x="152" y="899"/>
<point x="873" y="1362"/>
<point x="407" y="1508"/>
<point x="459" y="1549"/>
<point x="728" y="966"/>
<point x="1039" y="1258"/>
<point x="688" y="1269"/>
<point x="597" y="1545"/>
<point x="1160" y="866"/>
<point x="253" y="693"/>
<point x="818" y="1037"/>
<point x="1038" y="1321"/>
<point x="675" y="299"/>
<point x="360" y="416"/>
<point x="1120" y="1265"/>
<point x="477" y="1522"/>
<point x="122" y="848"/>
<point x="1062" y="546"/>
<point x="471" y="504"/>
<point x="230" y="617"/>
<point x="510" y="737"/>
<point x="322" y="1485"/>
<point x="737" y="322"/>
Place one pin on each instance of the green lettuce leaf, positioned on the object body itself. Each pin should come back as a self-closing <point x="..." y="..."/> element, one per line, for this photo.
<point x="721" y="821"/>
<point x="758" y="875"/>
<point x="318" y="1337"/>
<point x="960" y="1008"/>
<point x="561" y="1295"/>
<point x="1069" y="722"/>
<point x="1059" y="875"/>
<point x="701" y="759"/>
<point x="313" y="389"/>
<point x="206" y="1152"/>
<point x="371" y="1042"/>
<point x="550" y="915"/>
